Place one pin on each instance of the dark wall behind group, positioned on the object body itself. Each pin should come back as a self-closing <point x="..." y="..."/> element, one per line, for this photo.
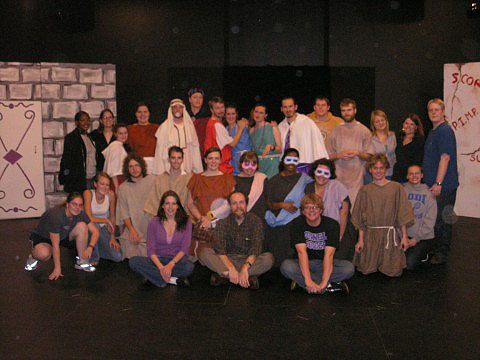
<point x="147" y="39"/>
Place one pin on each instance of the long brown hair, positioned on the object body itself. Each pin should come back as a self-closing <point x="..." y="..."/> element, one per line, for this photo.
<point x="181" y="217"/>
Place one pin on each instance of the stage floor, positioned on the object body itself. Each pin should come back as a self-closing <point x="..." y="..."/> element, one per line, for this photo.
<point x="432" y="313"/>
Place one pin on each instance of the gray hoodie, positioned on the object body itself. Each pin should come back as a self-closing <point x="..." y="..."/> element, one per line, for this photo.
<point x="425" y="210"/>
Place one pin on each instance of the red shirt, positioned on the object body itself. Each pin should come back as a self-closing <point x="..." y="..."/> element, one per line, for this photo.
<point x="211" y="141"/>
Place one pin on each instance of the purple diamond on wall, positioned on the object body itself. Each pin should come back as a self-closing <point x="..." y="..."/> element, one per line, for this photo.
<point x="12" y="156"/>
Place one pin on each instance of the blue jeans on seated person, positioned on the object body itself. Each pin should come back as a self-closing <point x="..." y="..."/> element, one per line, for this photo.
<point x="145" y="267"/>
<point x="342" y="270"/>
<point x="102" y="248"/>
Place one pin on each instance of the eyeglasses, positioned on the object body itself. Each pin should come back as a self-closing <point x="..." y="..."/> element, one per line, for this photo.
<point x="311" y="207"/>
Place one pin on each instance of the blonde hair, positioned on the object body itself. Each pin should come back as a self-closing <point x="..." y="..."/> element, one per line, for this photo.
<point x="436" y="101"/>
<point x="311" y="198"/>
<point x="372" y="118"/>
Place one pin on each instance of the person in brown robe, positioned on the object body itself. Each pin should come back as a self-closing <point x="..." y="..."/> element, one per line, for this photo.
<point x="382" y="214"/>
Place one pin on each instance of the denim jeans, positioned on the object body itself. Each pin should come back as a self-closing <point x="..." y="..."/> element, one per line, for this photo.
<point x="443" y="224"/>
<point x="102" y="248"/>
<point x="342" y="270"/>
<point x="145" y="267"/>
<point x="415" y="254"/>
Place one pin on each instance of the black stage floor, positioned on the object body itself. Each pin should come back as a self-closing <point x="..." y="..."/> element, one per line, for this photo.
<point x="430" y="314"/>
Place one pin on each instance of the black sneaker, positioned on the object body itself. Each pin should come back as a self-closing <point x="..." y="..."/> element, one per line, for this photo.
<point x="340" y="288"/>
<point x="183" y="282"/>
<point x="254" y="283"/>
<point x="427" y="257"/>
<point x="216" y="280"/>
<point x="438" y="259"/>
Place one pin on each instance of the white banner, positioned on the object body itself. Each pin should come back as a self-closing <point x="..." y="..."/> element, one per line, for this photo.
<point x="22" y="193"/>
<point x="461" y="89"/>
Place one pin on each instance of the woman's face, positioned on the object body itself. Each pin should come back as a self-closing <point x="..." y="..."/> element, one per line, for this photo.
<point x="83" y="123"/>
<point x="380" y="123"/>
<point x="259" y="114"/>
<point x="322" y="175"/>
<point x="75" y="206"/>
<point x="409" y="127"/>
<point x="142" y="115"/>
<point x="231" y="116"/>
<point x="107" y="120"/>
<point x="102" y="186"/>
<point x="290" y="161"/>
<point x="249" y="167"/>
<point x="122" y="134"/>
<point x="213" y="160"/>
<point x="170" y="206"/>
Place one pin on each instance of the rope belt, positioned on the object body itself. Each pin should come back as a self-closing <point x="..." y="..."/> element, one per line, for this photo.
<point x="390" y="228"/>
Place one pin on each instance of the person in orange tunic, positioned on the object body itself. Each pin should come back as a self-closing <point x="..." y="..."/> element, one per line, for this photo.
<point x="141" y="136"/>
<point x="211" y="186"/>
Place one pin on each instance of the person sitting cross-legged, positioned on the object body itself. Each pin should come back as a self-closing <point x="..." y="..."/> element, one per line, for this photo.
<point x="237" y="246"/>
<point x="315" y="237"/>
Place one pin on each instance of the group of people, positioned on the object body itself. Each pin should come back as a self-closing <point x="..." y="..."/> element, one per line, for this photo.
<point x="315" y="195"/>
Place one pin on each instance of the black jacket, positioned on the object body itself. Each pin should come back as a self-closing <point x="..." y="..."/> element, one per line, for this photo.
<point x="72" y="166"/>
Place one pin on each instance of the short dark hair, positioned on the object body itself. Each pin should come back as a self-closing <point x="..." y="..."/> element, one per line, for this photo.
<point x="79" y="114"/>
<point x="175" y="148"/>
<point x="141" y="103"/>
<point x="229" y="197"/>
<point x="322" y="161"/>
<point x="215" y="100"/>
<point x="281" y="166"/>
<point x="289" y="97"/>
<point x="138" y="159"/>
<point x="321" y="98"/>
<point x="181" y="217"/>
<point x="211" y="150"/>
<point x="194" y="91"/>
<point x="347" y="101"/>
<point x="118" y="126"/>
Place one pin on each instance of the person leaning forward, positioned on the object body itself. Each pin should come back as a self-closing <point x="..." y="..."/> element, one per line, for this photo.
<point x="236" y="253"/>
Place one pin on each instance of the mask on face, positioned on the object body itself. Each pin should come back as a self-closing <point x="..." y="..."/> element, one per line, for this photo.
<point x="323" y="173"/>
<point x="246" y="165"/>
<point x="291" y="160"/>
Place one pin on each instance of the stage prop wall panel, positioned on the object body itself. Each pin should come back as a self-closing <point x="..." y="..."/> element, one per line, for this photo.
<point x="62" y="89"/>
<point x="462" y="105"/>
<point x="22" y="192"/>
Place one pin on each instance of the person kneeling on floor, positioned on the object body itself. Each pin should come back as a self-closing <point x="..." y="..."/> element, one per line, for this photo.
<point x="67" y="226"/>
<point x="315" y="237"/>
<point x="238" y="240"/>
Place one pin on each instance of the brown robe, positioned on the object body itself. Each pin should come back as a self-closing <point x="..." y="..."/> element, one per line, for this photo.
<point x="376" y="206"/>
<point x="166" y="182"/>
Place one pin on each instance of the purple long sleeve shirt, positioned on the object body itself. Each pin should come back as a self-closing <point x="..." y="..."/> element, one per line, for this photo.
<point x="157" y="239"/>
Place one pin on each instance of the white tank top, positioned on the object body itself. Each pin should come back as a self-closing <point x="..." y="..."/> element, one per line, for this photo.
<point x="100" y="210"/>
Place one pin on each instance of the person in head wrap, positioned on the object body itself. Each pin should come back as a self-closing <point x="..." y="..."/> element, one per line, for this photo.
<point x="177" y="130"/>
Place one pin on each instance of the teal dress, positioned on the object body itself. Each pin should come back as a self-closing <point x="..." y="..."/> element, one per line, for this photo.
<point x="260" y="138"/>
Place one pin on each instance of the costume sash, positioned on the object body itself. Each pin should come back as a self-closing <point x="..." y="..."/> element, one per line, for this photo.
<point x="295" y="196"/>
<point x="256" y="189"/>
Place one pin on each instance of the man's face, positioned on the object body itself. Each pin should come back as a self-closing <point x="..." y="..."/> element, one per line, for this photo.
<point x="175" y="160"/>
<point x="436" y="113"/>
<point x="238" y="205"/>
<point x="321" y="107"/>
<point x="83" y="123"/>
<point x="288" y="108"/>
<point x="177" y="111"/>
<point x="312" y="212"/>
<point x="378" y="171"/>
<point x="218" y="109"/>
<point x="414" y="175"/>
<point x="196" y="100"/>
<point x="134" y="169"/>
<point x="348" y="112"/>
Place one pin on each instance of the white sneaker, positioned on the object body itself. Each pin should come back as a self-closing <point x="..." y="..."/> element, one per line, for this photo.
<point x="31" y="263"/>
<point x="84" y="265"/>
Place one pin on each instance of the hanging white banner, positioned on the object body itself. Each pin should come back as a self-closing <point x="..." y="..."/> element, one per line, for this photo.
<point x="461" y="89"/>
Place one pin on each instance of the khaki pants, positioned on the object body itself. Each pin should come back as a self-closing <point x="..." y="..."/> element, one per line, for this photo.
<point x="210" y="259"/>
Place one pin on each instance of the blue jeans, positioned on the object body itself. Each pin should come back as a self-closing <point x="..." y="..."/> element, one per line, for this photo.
<point x="145" y="267"/>
<point x="443" y="224"/>
<point x="342" y="270"/>
<point x="102" y="248"/>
